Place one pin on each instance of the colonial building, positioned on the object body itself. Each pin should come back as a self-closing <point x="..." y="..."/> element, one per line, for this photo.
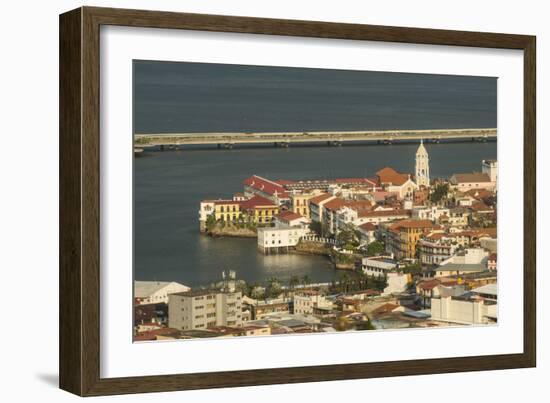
<point x="393" y="181"/>
<point x="259" y="210"/>
<point x="402" y="237"/>
<point x="300" y="202"/>
<point x="256" y="185"/>
<point x="422" y="168"/>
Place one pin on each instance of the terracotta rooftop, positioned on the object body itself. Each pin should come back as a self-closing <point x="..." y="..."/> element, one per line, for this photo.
<point x="335" y="204"/>
<point x="474" y="177"/>
<point x="391" y="176"/>
<point x="266" y="186"/>
<point x="322" y="197"/>
<point x="413" y="224"/>
<point x="288" y="216"/>
<point x="257" y="201"/>
<point x="384" y="213"/>
<point x="368" y="226"/>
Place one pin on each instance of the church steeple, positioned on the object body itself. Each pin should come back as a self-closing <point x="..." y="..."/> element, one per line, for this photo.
<point x="422" y="169"/>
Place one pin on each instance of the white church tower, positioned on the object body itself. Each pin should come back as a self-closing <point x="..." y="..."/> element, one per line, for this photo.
<point x="422" y="166"/>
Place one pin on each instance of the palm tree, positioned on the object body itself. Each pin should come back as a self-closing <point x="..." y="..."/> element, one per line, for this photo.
<point x="293" y="282"/>
<point x="305" y="280"/>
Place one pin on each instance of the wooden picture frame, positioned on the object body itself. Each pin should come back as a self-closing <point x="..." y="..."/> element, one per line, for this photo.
<point x="79" y="346"/>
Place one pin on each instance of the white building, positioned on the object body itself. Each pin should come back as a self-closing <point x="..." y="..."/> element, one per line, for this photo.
<point x="490" y="167"/>
<point x="481" y="308"/>
<point x="433" y="213"/>
<point x="422" y="170"/>
<point x="377" y="266"/>
<point x="156" y="292"/>
<point x="203" y="309"/>
<point x="305" y="302"/>
<point x="472" y="260"/>
<point x="397" y="283"/>
<point x="279" y="239"/>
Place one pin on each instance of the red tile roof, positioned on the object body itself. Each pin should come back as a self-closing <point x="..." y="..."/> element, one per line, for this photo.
<point x="257" y="201"/>
<point x="413" y="224"/>
<point x="288" y="216"/>
<point x="322" y="197"/>
<point x="266" y="186"/>
<point x="384" y="213"/>
<point x="335" y="204"/>
<point x="475" y="177"/>
<point x="391" y="176"/>
<point x="368" y="226"/>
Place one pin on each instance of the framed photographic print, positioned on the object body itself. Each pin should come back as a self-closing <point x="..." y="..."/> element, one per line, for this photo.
<point x="250" y="201"/>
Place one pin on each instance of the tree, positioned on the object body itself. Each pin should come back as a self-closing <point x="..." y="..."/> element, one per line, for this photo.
<point x="306" y="280"/>
<point x="439" y="193"/>
<point x="348" y="237"/>
<point x="413" y="268"/>
<point x="293" y="282"/>
<point x="210" y="222"/>
<point x="375" y="248"/>
<point x="274" y="288"/>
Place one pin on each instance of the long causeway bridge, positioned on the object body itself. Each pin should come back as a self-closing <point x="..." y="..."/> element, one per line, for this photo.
<point x="284" y="139"/>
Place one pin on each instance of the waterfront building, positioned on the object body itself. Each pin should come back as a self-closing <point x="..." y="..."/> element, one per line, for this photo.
<point x="422" y="167"/>
<point x="378" y="266"/>
<point x="203" y="309"/>
<point x="227" y="210"/>
<point x="402" y="237"/>
<point x="259" y="210"/>
<point x="258" y="186"/>
<point x="206" y="209"/>
<point x="279" y="239"/>
<point x="156" y="292"/>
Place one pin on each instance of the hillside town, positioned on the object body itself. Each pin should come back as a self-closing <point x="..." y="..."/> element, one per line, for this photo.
<point x="411" y="251"/>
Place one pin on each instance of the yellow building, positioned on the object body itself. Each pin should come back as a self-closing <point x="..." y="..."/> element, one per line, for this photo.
<point x="259" y="210"/>
<point x="227" y="210"/>
<point x="404" y="235"/>
<point x="300" y="203"/>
